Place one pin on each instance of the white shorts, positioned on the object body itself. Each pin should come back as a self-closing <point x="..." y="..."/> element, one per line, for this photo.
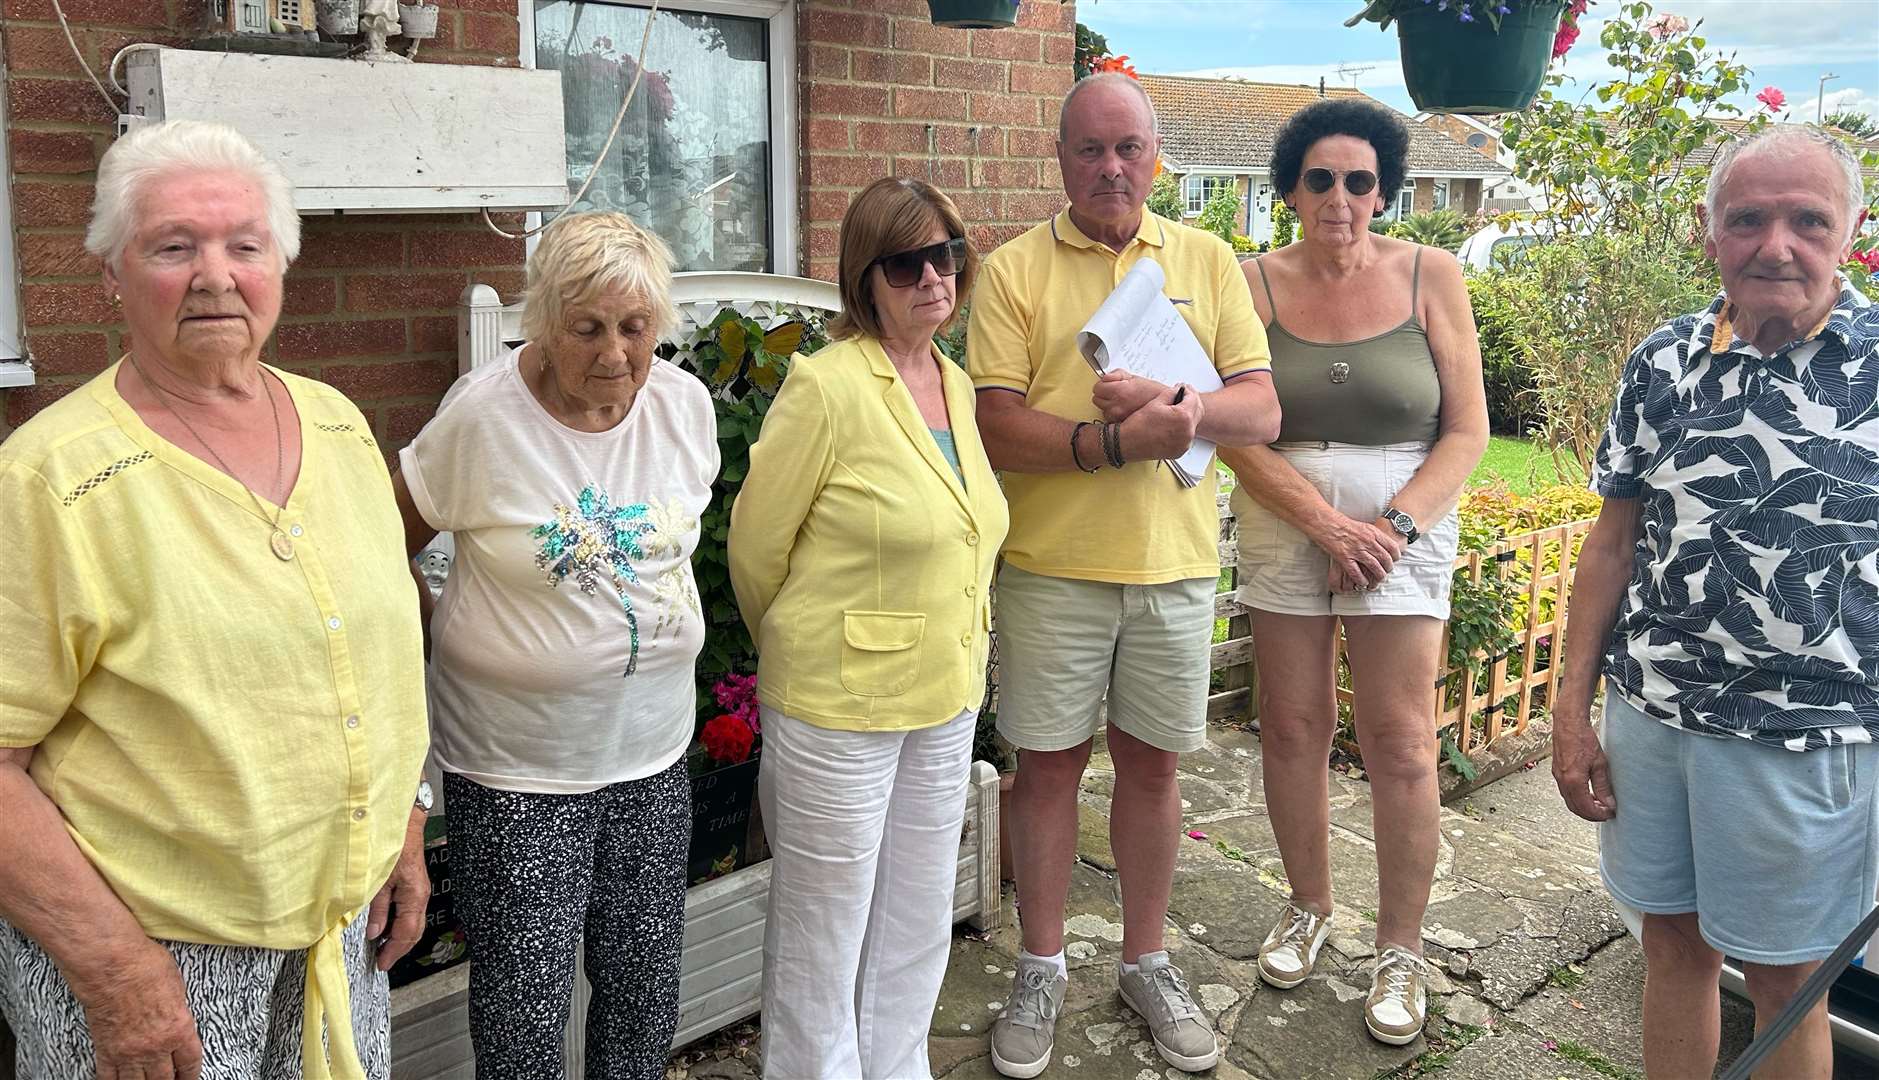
<point x="1282" y="571"/>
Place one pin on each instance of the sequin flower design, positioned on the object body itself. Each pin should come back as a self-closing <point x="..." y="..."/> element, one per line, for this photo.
<point x="592" y="541"/>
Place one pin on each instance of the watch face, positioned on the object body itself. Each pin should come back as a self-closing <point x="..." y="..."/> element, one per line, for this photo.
<point x="425" y="798"/>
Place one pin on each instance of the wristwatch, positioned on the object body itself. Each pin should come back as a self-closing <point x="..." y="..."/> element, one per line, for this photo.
<point x="425" y="798"/>
<point x="1402" y="523"/>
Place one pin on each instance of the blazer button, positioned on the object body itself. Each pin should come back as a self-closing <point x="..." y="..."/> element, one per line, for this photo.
<point x="965" y="640"/>
<point x="972" y="590"/>
<point x="972" y="539"/>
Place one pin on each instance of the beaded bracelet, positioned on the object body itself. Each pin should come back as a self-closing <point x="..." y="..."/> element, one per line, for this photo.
<point x="1076" y="458"/>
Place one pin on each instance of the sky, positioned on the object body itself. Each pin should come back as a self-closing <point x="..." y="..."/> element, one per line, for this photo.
<point x="1788" y="44"/>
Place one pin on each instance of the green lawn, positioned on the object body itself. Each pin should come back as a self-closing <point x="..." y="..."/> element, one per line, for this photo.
<point x="1523" y="464"/>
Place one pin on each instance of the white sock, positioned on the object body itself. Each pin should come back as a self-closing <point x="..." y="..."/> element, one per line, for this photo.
<point x="1063" y="969"/>
<point x="1131" y="969"/>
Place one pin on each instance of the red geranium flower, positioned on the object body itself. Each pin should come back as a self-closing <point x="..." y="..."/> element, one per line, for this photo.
<point x="727" y="739"/>
<point x="1772" y="98"/>
<point x="1868" y="259"/>
<point x="1114" y="63"/>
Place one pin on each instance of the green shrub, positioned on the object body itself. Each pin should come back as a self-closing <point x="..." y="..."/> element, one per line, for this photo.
<point x="1496" y="298"/>
<point x="1164" y="197"/>
<point x="1576" y="307"/>
<point x="1284" y="224"/>
<point x="1445" y="229"/>
<point x="1246" y="245"/>
<point x="1221" y="215"/>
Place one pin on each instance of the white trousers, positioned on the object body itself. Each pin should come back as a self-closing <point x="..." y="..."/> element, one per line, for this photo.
<point x="864" y="833"/>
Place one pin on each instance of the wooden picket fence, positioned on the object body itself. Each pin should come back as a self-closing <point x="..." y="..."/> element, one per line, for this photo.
<point x="1479" y="707"/>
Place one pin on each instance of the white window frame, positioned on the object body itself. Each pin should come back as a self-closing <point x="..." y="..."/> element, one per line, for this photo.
<point x="1194" y="193"/>
<point x="781" y="18"/>
<point x="1439" y="201"/>
<point x="1405" y="202"/>
<point x="15" y="370"/>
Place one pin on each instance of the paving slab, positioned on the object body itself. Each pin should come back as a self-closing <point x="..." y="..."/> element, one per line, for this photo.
<point x="1314" y="1031"/>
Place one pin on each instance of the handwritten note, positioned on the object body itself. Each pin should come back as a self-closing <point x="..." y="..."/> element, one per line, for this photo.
<point x="1139" y="330"/>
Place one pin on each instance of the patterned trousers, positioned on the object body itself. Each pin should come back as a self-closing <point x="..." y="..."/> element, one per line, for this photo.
<point x="247" y="1003"/>
<point x="536" y="876"/>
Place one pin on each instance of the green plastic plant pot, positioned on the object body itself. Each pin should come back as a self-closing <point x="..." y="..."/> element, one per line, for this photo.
<point x="974" y="14"/>
<point x="1456" y="67"/>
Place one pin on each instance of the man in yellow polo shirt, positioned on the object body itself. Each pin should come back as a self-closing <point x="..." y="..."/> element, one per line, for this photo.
<point x="1110" y="565"/>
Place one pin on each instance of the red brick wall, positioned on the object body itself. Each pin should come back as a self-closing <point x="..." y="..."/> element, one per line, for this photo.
<point x="370" y="305"/>
<point x="974" y="112"/>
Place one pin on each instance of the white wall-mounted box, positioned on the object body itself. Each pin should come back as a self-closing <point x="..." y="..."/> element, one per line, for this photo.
<point x="374" y="137"/>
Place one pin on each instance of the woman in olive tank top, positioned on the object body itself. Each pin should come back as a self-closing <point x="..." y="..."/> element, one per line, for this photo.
<point x="1350" y="517"/>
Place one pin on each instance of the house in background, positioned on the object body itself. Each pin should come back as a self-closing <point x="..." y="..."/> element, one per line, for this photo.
<point x="1219" y="132"/>
<point x="1485" y="138"/>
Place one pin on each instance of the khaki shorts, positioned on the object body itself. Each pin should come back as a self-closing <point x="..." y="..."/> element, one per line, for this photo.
<point x="1063" y="643"/>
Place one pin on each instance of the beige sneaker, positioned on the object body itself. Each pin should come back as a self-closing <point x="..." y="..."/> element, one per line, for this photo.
<point x="1025" y="1032"/>
<point x="1157" y="992"/>
<point x="1291" y="950"/>
<point x="1399" y="997"/>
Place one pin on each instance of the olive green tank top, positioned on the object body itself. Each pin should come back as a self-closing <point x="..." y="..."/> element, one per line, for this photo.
<point x="1375" y="392"/>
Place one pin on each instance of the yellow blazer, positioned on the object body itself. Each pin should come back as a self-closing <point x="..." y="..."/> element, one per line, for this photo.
<point x="861" y="564"/>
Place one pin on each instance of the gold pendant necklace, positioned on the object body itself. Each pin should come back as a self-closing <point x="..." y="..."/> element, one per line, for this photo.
<point x="278" y="542"/>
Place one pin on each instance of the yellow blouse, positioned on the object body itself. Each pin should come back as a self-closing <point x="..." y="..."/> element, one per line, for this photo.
<point x="234" y="741"/>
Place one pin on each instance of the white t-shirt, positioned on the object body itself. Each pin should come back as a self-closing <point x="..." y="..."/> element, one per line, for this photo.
<point x="565" y="640"/>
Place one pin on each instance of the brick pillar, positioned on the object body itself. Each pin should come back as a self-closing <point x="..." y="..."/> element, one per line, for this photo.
<point x="973" y="112"/>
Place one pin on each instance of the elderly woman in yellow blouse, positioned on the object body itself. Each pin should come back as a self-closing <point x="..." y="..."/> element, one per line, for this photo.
<point x="212" y="709"/>
<point x="861" y="551"/>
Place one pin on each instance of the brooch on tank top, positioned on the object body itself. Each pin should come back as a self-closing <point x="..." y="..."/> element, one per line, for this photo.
<point x="1340" y="372"/>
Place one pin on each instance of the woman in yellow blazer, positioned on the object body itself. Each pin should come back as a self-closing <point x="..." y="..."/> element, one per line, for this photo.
<point x="862" y="546"/>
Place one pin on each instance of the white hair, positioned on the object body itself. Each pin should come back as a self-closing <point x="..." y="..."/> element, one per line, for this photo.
<point x="1105" y="78"/>
<point x="179" y="146"/>
<point x="1789" y="142"/>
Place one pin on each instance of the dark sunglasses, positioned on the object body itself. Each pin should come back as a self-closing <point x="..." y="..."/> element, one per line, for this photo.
<point x="903" y="268"/>
<point x="1356" y="181"/>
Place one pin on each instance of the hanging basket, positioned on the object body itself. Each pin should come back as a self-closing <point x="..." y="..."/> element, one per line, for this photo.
<point x="1456" y="67"/>
<point x="974" y="14"/>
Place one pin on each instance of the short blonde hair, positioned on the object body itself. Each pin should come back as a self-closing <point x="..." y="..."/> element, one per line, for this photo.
<point x="155" y="151"/>
<point x="581" y="256"/>
<point x="892" y="215"/>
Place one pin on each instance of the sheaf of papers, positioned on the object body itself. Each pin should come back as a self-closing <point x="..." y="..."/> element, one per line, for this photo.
<point x="1139" y="331"/>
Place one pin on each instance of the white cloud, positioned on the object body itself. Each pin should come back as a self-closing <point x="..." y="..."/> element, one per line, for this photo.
<point x="1851" y="98"/>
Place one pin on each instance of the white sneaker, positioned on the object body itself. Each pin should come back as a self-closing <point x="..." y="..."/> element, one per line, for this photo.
<point x="1291" y="949"/>
<point x="1399" y="998"/>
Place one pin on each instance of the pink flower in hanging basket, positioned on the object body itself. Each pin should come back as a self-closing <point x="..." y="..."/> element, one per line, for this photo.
<point x="1563" y="39"/>
<point x="1772" y="97"/>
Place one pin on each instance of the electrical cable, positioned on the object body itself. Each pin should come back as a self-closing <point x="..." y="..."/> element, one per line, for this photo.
<point x="80" y="57"/>
<point x="618" y="118"/>
<point x="110" y="71"/>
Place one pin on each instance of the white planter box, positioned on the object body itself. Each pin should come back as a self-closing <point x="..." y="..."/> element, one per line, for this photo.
<point x="721" y="981"/>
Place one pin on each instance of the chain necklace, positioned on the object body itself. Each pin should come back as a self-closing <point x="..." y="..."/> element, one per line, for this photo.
<point x="282" y="547"/>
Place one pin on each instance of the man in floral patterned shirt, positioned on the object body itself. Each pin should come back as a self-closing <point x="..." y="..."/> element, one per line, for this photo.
<point x="1730" y="596"/>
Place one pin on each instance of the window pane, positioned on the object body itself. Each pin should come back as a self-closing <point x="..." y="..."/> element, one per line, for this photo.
<point x="1441" y="194"/>
<point x="692" y="161"/>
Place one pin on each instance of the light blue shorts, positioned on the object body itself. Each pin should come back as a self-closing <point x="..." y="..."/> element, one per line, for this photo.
<point x="1776" y="851"/>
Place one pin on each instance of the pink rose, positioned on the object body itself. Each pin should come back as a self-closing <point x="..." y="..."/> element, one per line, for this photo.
<point x="1772" y="98"/>
<point x="1666" y="25"/>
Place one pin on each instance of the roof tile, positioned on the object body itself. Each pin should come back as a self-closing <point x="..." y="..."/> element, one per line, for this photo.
<point x="1231" y="123"/>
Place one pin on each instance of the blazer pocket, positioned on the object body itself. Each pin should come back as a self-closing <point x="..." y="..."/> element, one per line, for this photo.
<point x="880" y="651"/>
